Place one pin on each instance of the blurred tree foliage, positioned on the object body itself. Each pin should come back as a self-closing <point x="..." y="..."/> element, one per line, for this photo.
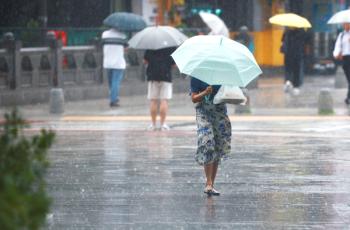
<point x="31" y="34"/>
<point x="23" y="164"/>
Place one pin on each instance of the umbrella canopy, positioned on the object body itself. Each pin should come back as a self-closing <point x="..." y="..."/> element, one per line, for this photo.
<point x="215" y="23"/>
<point x="340" y="17"/>
<point x="123" y="21"/>
<point x="291" y="20"/>
<point x="157" y="37"/>
<point x="216" y="60"/>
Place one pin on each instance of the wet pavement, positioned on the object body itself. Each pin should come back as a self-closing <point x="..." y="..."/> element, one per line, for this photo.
<point x="284" y="172"/>
<point x="289" y="170"/>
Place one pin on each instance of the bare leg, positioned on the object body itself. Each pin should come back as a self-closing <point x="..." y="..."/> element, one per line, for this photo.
<point x="215" y="169"/>
<point x="208" y="169"/>
<point x="154" y="110"/>
<point x="163" y="110"/>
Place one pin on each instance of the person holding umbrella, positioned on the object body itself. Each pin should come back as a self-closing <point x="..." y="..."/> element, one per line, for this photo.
<point x="294" y="42"/>
<point x="342" y="45"/>
<point x="293" y="47"/>
<point x="114" y="62"/>
<point x="159" y="42"/>
<point x="114" y="41"/>
<point x="212" y="61"/>
<point x="342" y="52"/>
<point x="214" y="131"/>
<point x="158" y="71"/>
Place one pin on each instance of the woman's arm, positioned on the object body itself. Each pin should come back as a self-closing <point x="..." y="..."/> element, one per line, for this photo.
<point x="198" y="97"/>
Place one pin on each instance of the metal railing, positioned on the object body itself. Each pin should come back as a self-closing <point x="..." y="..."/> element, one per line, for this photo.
<point x="35" y="37"/>
<point x="54" y="65"/>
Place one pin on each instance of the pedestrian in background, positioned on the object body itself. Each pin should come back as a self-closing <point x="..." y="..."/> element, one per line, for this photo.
<point x="342" y="52"/>
<point x="158" y="71"/>
<point x="293" y="47"/>
<point x="245" y="38"/>
<point x="213" y="131"/>
<point x="113" y="61"/>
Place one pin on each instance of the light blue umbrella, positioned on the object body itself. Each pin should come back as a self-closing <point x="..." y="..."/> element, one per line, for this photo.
<point x="216" y="60"/>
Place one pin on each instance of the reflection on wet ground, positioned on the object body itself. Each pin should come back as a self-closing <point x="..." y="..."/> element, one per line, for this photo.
<point x="281" y="175"/>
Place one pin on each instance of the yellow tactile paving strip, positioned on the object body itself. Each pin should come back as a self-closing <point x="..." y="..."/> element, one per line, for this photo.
<point x="192" y="118"/>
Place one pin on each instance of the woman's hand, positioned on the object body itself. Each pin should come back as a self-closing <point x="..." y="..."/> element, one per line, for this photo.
<point x="198" y="97"/>
<point x="208" y="90"/>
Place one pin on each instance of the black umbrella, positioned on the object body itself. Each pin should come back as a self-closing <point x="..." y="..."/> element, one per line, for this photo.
<point x="127" y="22"/>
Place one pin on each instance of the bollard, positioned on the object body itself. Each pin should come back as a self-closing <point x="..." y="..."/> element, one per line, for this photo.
<point x="56" y="101"/>
<point x="325" y="102"/>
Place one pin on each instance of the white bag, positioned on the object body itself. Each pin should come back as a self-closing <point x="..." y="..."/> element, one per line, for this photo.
<point x="231" y="95"/>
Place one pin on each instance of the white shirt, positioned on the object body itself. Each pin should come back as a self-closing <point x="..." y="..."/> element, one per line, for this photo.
<point x="113" y="54"/>
<point x="342" y="45"/>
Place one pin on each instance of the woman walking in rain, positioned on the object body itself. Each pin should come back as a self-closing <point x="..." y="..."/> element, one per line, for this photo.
<point x="214" y="61"/>
<point x="213" y="131"/>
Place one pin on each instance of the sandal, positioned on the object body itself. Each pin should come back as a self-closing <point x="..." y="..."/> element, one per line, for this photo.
<point x="214" y="192"/>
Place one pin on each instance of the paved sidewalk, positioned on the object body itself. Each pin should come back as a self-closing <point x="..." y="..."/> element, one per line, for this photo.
<point x="268" y="99"/>
<point x="285" y="172"/>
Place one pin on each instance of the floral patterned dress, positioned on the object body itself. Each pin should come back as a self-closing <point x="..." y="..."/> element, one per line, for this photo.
<point x="214" y="126"/>
<point x="214" y="132"/>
